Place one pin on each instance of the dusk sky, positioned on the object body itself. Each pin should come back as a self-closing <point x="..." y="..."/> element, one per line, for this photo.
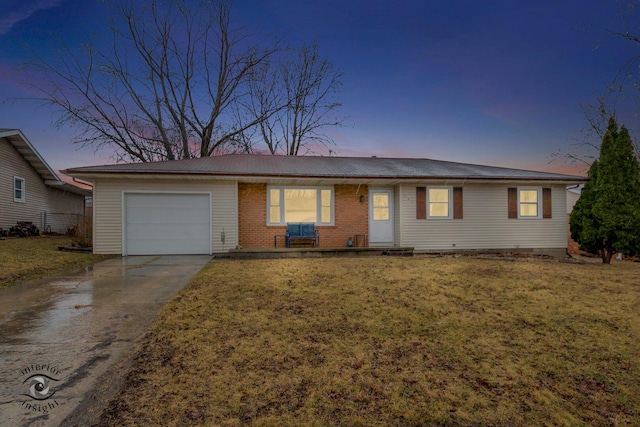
<point x="488" y="82"/>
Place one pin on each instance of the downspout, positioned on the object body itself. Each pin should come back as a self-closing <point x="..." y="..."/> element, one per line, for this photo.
<point x="84" y="206"/>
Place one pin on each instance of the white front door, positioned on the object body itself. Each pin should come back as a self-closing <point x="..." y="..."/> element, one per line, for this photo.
<point x="381" y="215"/>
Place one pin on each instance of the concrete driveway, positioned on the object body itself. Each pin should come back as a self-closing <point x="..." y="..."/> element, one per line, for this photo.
<point x="65" y="342"/>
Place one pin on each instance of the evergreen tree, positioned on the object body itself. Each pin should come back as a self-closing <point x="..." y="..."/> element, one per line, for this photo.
<point x="606" y="218"/>
<point x="583" y="223"/>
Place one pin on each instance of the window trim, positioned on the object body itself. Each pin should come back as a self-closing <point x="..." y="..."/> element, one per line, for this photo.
<point x="318" y="189"/>
<point x="22" y="190"/>
<point x="538" y="202"/>
<point x="449" y="202"/>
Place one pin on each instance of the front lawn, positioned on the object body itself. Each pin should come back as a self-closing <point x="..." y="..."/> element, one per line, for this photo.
<point x="392" y="341"/>
<point x="35" y="257"/>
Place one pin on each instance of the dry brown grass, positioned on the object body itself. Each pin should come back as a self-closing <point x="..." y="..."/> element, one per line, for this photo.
<point x="389" y="341"/>
<point x="35" y="257"/>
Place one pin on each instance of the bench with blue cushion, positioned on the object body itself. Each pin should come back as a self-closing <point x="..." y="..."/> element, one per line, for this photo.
<point x="302" y="232"/>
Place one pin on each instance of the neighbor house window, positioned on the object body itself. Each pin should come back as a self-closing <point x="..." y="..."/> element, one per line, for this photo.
<point x="529" y="202"/>
<point x="439" y="202"/>
<point x="18" y="189"/>
<point x="300" y="204"/>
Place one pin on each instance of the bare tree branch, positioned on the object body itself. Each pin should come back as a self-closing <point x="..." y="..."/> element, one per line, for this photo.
<point x="624" y="84"/>
<point x="169" y="84"/>
<point x="297" y="104"/>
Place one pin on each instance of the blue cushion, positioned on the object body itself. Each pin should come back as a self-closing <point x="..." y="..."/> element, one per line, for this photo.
<point x="307" y="229"/>
<point x="294" y="229"/>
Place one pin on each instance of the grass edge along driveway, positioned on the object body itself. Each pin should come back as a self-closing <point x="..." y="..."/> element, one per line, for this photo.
<point x="392" y="341"/>
<point x="38" y="257"/>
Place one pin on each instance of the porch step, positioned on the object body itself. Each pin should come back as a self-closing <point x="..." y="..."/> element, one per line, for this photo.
<point x="398" y="252"/>
<point x="314" y="252"/>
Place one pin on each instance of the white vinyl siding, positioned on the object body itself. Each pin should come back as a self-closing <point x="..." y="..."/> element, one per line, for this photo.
<point x="107" y="208"/>
<point x="572" y="198"/>
<point x="397" y="223"/>
<point x="39" y="198"/>
<point x="485" y="224"/>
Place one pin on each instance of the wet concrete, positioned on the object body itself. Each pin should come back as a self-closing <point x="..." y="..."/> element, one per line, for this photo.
<point x="61" y="338"/>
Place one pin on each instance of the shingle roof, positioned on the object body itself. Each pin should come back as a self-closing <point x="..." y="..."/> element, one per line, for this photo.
<point x="322" y="167"/>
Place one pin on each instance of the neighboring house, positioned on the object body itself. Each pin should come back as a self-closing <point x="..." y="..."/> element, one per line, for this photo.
<point x="187" y="206"/>
<point x="30" y="191"/>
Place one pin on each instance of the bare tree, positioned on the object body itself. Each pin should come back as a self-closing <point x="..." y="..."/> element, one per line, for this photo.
<point x="625" y="85"/>
<point x="307" y="85"/>
<point x="169" y="84"/>
<point x="623" y="88"/>
<point x="586" y="149"/>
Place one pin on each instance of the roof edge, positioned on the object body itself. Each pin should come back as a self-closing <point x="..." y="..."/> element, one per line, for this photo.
<point x="6" y="133"/>
<point x="570" y="179"/>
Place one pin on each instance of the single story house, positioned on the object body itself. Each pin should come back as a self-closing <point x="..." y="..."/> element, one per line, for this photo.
<point x="210" y="205"/>
<point x="30" y="191"/>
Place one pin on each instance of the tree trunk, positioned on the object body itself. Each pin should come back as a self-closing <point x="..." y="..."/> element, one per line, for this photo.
<point x="606" y="256"/>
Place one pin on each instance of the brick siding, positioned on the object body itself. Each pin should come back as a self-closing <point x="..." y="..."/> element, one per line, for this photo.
<point x="351" y="217"/>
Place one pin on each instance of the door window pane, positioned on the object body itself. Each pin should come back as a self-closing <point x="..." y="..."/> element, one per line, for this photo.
<point x="381" y="200"/>
<point x="381" y="207"/>
<point x="380" y="214"/>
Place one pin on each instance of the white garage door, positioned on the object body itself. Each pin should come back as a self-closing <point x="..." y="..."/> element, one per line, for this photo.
<point x="167" y="224"/>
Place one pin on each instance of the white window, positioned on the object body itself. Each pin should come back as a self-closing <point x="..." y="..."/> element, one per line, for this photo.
<point x="529" y="203"/>
<point x="439" y="202"/>
<point x="299" y="204"/>
<point x="18" y="189"/>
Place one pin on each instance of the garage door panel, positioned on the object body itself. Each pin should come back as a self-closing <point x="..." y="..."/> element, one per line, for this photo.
<point x="168" y="223"/>
<point x="191" y="215"/>
<point x="176" y="246"/>
<point x="158" y="199"/>
<point x="149" y="232"/>
<point x="170" y="231"/>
